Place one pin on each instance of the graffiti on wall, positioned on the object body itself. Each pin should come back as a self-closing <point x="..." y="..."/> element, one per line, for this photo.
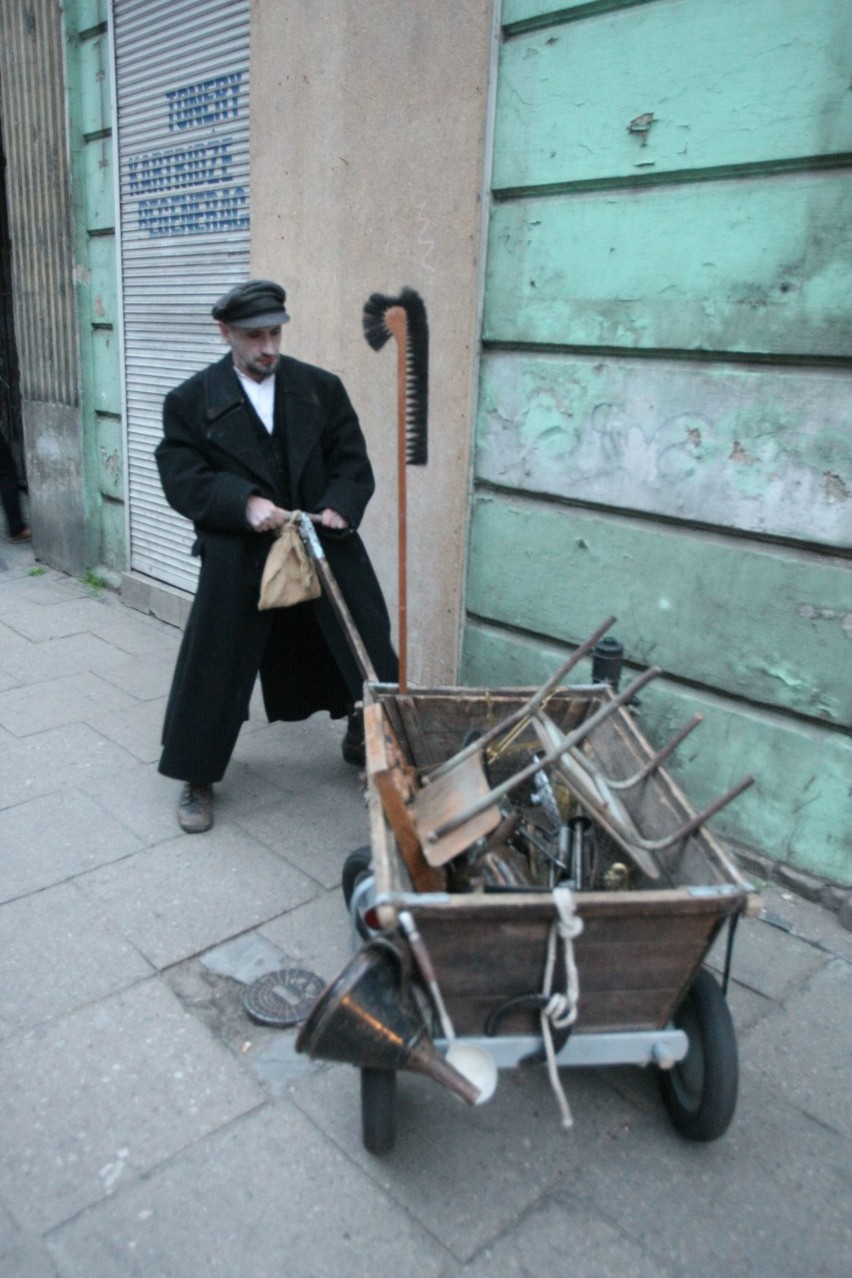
<point x="190" y="188"/>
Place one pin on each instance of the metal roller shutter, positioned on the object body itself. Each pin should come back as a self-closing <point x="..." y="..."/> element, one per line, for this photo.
<point x="182" y="87"/>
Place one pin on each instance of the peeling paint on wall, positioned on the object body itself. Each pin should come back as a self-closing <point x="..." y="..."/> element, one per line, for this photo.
<point x="835" y="489"/>
<point x="813" y="613"/>
<point x="765" y="451"/>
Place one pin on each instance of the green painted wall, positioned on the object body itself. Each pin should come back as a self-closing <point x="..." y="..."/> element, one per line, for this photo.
<point x="664" y="424"/>
<point x="89" y="74"/>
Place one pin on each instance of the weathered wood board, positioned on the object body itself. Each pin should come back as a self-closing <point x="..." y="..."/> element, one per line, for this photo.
<point x="760" y="622"/>
<point x="759" y="91"/>
<point x="797" y="812"/>
<point x="751" y="266"/>
<point x="634" y="964"/>
<point x="396" y="789"/>
<point x="766" y="451"/>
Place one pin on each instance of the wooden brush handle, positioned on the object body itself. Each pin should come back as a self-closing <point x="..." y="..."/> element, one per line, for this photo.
<point x="396" y="321"/>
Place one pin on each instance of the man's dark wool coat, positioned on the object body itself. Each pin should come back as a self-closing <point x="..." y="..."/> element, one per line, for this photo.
<point x="215" y="453"/>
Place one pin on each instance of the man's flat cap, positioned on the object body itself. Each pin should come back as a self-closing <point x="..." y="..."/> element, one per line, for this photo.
<point x="256" y="304"/>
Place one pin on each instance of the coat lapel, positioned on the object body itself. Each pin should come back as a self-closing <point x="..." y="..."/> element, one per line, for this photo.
<point x="228" y="424"/>
<point x="303" y="416"/>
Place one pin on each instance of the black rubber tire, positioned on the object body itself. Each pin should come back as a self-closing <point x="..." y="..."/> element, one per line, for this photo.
<point x="700" y="1092"/>
<point x="378" y="1110"/>
<point x="356" y="867"/>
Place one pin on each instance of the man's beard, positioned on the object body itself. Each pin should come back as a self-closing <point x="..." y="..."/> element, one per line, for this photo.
<point x="262" y="369"/>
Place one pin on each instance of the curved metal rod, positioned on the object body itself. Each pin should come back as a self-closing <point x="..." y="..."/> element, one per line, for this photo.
<point x="697" y="821"/>
<point x="652" y="764"/>
<point x="573" y="761"/>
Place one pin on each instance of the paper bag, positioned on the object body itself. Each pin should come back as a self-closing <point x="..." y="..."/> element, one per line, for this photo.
<point x="289" y="574"/>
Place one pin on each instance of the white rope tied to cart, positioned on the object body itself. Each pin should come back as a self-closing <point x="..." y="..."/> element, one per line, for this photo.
<point x="561" y="1009"/>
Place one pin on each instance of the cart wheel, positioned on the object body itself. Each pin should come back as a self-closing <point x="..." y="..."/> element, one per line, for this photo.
<point x="700" y="1092"/>
<point x="378" y="1109"/>
<point x="356" y="868"/>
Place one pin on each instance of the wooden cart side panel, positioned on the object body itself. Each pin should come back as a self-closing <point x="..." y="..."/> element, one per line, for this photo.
<point x="431" y="725"/>
<point x="633" y="967"/>
<point x="396" y="789"/>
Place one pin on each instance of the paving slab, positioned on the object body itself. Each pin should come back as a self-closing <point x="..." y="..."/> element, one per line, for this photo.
<point x="105" y="1095"/>
<point x="136" y="729"/>
<point x="246" y="790"/>
<point x="135" y="632"/>
<point x="218" y="1002"/>
<point x="56" y="702"/>
<point x="64" y="757"/>
<point x="766" y="959"/>
<point x="28" y="662"/>
<point x="59" y="952"/>
<point x="315" y="935"/>
<point x="7" y="680"/>
<point x="277" y="1064"/>
<point x="767" y="1200"/>
<point x="244" y="959"/>
<point x="194" y="892"/>
<point x="560" y="1234"/>
<point x="269" y="1196"/>
<point x="469" y="1173"/>
<point x="147" y="677"/>
<point x="306" y="753"/>
<point x="44" y="587"/>
<point x="54" y="837"/>
<point x="807" y="920"/>
<point x="16" y="559"/>
<point x="326" y="824"/>
<point x="802" y="1051"/>
<point x="40" y="622"/>
<point x="140" y="799"/>
<point x="23" y="1253"/>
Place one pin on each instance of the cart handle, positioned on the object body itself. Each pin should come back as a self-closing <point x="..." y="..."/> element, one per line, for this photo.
<point x="335" y="597"/>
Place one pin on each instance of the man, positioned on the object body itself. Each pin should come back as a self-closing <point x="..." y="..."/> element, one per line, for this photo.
<point x="245" y="442"/>
<point x="11" y="501"/>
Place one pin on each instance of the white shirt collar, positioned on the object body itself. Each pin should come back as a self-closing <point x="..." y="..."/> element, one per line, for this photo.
<point x="261" y="395"/>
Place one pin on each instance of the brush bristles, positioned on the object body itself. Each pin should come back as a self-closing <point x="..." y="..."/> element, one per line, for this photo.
<point x="373" y="319"/>
<point x="377" y="333"/>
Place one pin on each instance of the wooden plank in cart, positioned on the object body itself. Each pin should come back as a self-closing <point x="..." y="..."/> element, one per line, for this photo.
<point x="391" y="776"/>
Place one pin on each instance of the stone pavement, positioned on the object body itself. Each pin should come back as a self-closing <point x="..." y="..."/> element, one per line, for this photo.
<point x="151" y="1130"/>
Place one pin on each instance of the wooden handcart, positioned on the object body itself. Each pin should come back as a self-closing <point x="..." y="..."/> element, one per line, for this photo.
<point x="460" y="779"/>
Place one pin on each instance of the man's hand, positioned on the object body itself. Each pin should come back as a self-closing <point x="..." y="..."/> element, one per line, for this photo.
<point x="263" y="515"/>
<point x="329" y="518"/>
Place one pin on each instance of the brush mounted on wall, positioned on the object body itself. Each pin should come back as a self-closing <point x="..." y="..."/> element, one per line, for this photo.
<point x="404" y="318"/>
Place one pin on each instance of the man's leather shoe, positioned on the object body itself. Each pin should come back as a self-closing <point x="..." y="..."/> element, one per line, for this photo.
<point x="352" y="745"/>
<point x="195" y="807"/>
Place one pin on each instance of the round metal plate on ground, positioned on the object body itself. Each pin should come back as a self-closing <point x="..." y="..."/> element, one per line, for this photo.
<point x="283" y="998"/>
